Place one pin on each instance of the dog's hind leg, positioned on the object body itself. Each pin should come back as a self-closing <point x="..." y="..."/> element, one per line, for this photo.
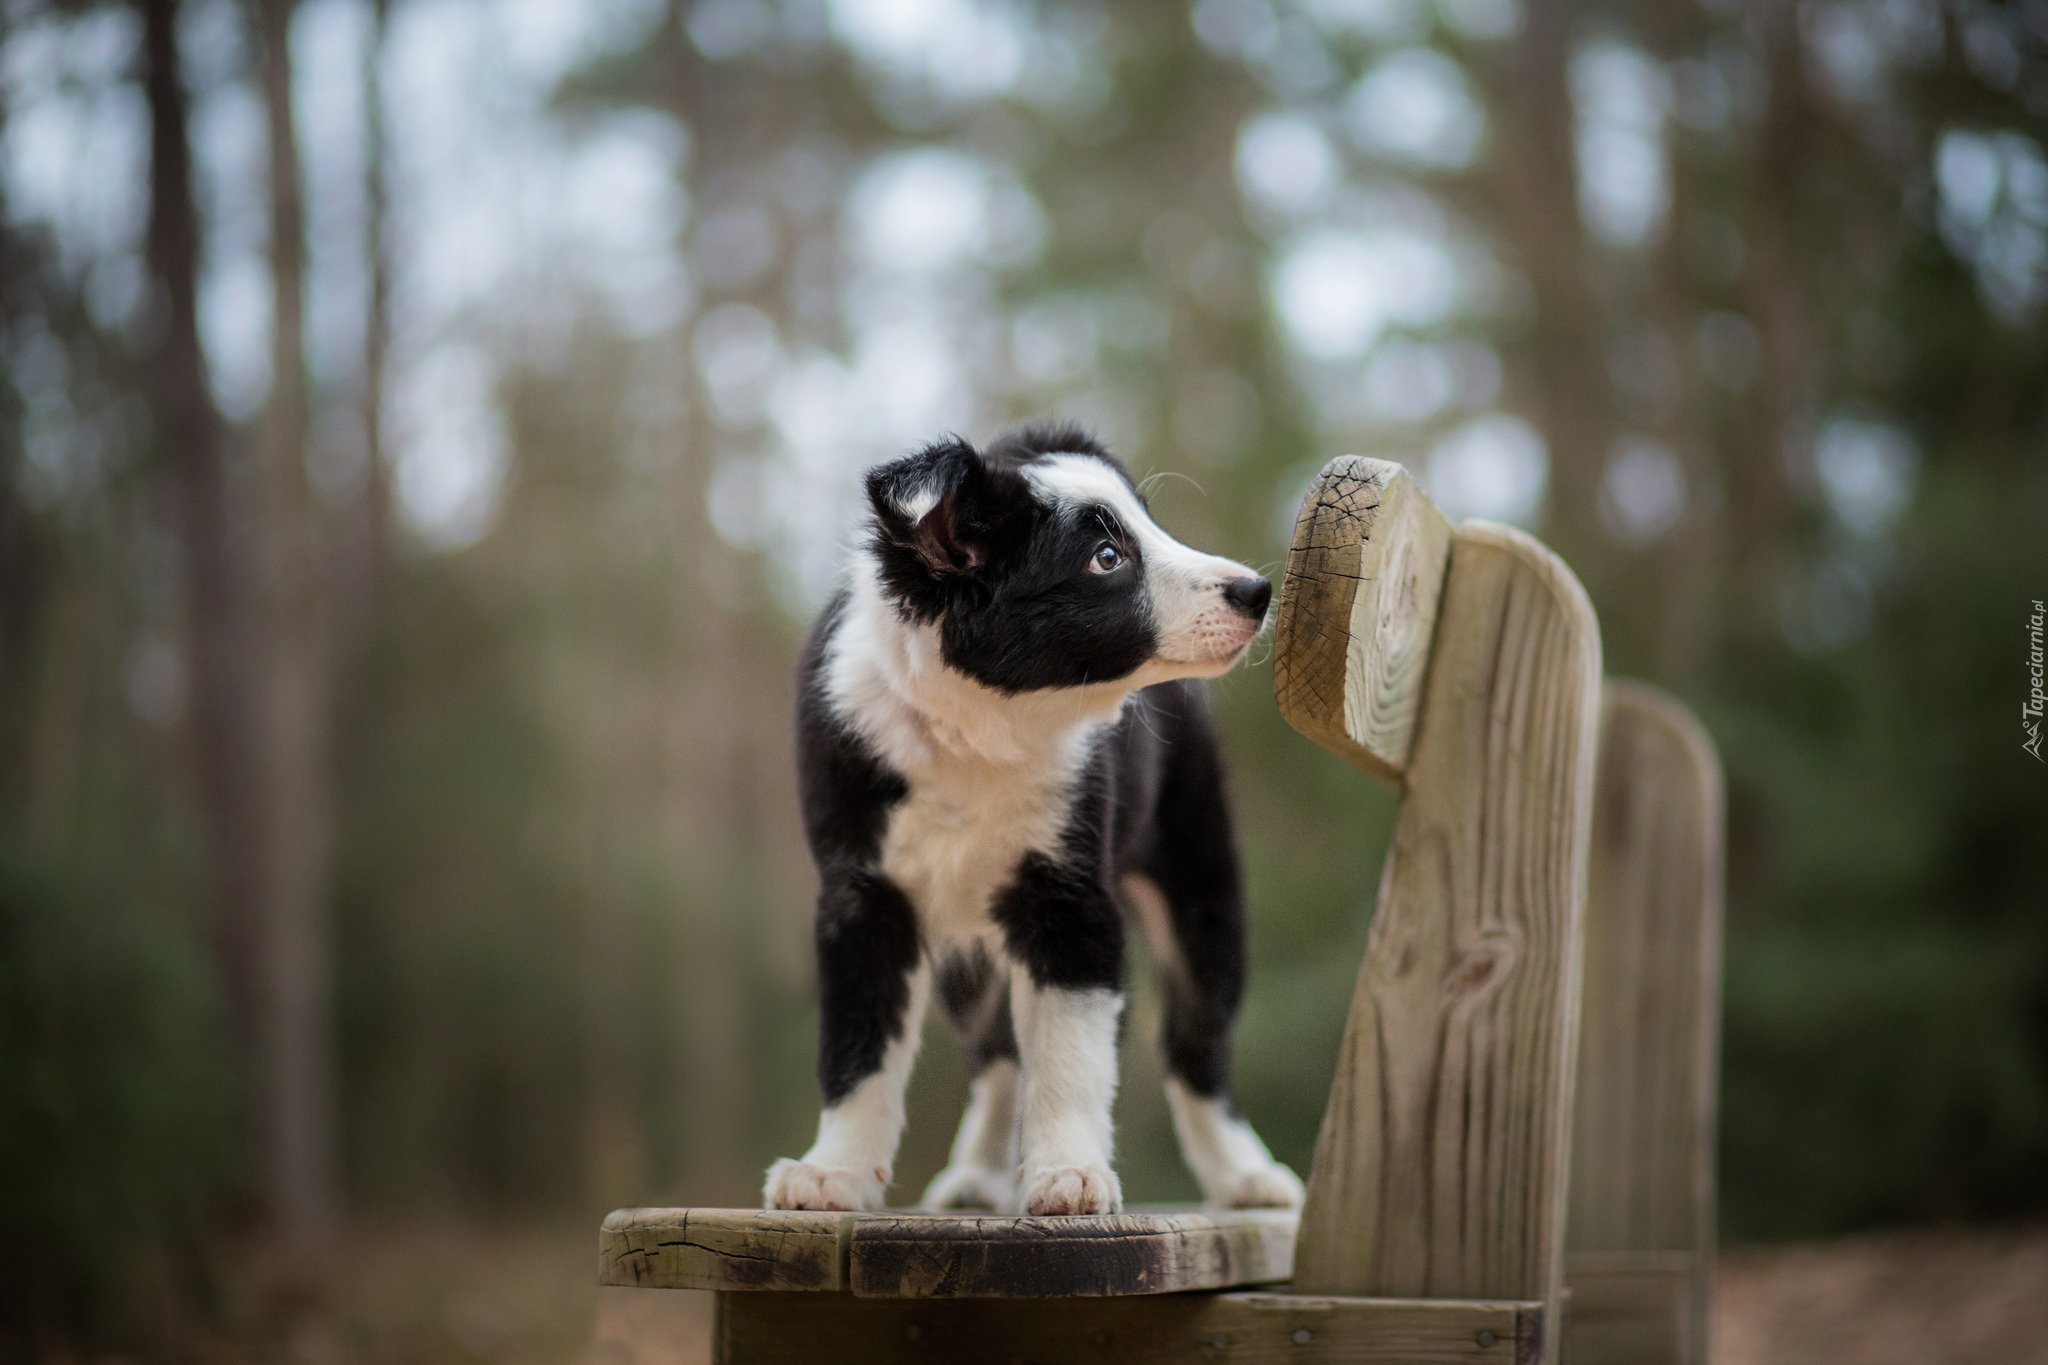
<point x="1230" y="1163"/>
<point x="981" y="1172"/>
<point x="1189" y="900"/>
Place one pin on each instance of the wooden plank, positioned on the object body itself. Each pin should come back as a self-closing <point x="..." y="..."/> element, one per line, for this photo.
<point x="724" y="1249"/>
<point x="1441" y="1166"/>
<point x="1643" y="1135"/>
<point x="801" y="1329"/>
<point x="1358" y="602"/>
<point x="1630" y="1308"/>
<point x="959" y="1256"/>
<point x="924" y="1255"/>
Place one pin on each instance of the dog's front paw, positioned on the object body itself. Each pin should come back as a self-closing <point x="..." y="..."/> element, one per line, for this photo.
<point x="1262" y="1187"/>
<point x="971" y="1187"/>
<point x="1053" y="1190"/>
<point x="799" y="1185"/>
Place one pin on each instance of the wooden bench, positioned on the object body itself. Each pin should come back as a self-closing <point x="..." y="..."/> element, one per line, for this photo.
<point x="1549" y="911"/>
<point x="1639" y="1237"/>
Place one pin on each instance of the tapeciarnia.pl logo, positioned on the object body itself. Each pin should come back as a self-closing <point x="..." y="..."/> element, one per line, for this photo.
<point x="2030" y="713"/>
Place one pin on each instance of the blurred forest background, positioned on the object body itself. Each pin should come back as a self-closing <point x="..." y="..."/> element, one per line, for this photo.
<point x="426" y="425"/>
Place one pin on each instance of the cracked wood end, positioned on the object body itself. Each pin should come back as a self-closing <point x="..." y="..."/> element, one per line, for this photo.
<point x="724" y="1249"/>
<point x="1358" y="606"/>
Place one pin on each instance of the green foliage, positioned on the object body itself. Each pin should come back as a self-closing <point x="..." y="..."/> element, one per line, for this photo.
<point x="1878" y="1077"/>
<point x="115" y="1107"/>
<point x="1887" y="1007"/>
<point x="458" y="979"/>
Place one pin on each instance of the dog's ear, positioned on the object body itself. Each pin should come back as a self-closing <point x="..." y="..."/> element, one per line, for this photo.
<point x="941" y="505"/>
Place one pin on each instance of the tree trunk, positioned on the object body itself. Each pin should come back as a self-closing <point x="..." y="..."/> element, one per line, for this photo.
<point x="189" y="435"/>
<point x="1571" y="400"/>
<point x="19" y="579"/>
<point x="296" y="1091"/>
<point x="1776" y="289"/>
<point x="359" y="535"/>
<point x="1678" y="612"/>
<point x="377" y="327"/>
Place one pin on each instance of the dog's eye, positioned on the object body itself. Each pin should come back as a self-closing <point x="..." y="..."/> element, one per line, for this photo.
<point x="1107" y="559"/>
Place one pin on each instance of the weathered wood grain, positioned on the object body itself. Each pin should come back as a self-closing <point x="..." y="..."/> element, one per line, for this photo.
<point x="1441" y="1166"/>
<point x="724" y="1249"/>
<point x="1358" y="602"/>
<point x="801" y="1329"/>
<point x="923" y="1256"/>
<point x="1643" y="1136"/>
<point x="947" y="1255"/>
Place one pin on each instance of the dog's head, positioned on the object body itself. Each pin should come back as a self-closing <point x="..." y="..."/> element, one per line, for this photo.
<point x="1039" y="566"/>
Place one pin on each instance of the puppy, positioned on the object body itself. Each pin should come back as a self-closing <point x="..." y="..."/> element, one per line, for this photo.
<point x="998" y="757"/>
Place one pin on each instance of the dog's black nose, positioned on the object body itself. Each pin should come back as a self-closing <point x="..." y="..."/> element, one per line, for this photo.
<point x="1248" y="595"/>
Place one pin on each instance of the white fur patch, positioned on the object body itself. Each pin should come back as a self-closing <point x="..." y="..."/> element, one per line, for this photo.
<point x="918" y="505"/>
<point x="981" y="1172"/>
<point x="1067" y="1040"/>
<point x="1230" y="1163"/>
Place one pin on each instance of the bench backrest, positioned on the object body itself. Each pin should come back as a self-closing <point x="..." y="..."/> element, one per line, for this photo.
<point x="1639" y="1239"/>
<point x="1463" y="665"/>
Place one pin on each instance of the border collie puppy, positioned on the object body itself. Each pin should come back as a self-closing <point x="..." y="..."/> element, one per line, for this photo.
<point x="998" y="759"/>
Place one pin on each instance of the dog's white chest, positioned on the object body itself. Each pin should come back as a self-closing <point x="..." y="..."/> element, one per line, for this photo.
<point x="954" y="842"/>
<point x="991" y="777"/>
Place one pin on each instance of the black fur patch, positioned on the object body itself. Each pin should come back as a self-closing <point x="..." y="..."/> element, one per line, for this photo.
<point x="977" y="999"/>
<point x="868" y="943"/>
<point x="867" y="935"/>
<point x="1188" y="849"/>
<point x="1058" y="916"/>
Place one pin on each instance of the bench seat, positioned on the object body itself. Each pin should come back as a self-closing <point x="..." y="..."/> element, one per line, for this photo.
<point x="1158" y="1249"/>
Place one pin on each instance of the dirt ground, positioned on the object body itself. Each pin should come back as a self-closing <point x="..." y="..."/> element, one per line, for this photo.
<point x="1918" y="1298"/>
<point x="526" y="1297"/>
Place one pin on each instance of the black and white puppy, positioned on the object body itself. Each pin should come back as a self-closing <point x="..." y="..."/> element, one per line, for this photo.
<point x="998" y="757"/>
